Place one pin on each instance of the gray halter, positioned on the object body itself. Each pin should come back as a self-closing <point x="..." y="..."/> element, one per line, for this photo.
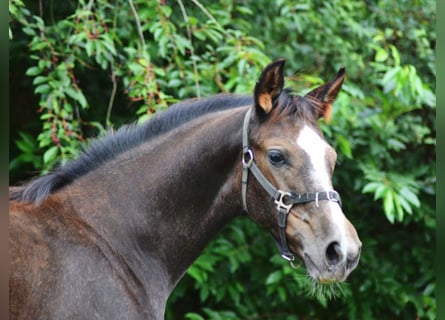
<point x="284" y="200"/>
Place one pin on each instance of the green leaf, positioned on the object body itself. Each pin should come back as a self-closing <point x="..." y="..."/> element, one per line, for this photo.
<point x="410" y="196"/>
<point x="39" y="79"/>
<point x="390" y="79"/>
<point x="244" y="10"/>
<point x="380" y="191"/>
<point x="274" y="277"/>
<point x="28" y="139"/>
<point x="182" y="44"/>
<point x="395" y="55"/>
<point x="398" y="209"/>
<point x="43" y="88"/>
<point x="371" y="187"/>
<point x="166" y="10"/>
<point x="33" y="71"/>
<point x="344" y="146"/>
<point x="77" y="95"/>
<point x="90" y="47"/>
<point x="381" y="55"/>
<point x="24" y="146"/>
<point x="197" y="274"/>
<point x="29" y="31"/>
<point x="193" y="316"/>
<point x="405" y="205"/>
<point x="395" y="144"/>
<point x="388" y="206"/>
<point x="50" y="154"/>
<point x="108" y="43"/>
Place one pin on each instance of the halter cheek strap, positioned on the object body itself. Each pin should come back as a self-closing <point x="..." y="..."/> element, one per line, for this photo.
<point x="284" y="201"/>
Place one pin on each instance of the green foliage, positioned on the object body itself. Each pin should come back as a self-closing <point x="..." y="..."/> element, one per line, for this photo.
<point x="91" y="65"/>
<point x="399" y="192"/>
<point x="27" y="146"/>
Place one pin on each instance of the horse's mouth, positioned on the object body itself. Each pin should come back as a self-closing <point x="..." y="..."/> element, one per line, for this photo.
<point x="320" y="273"/>
<point x="325" y="274"/>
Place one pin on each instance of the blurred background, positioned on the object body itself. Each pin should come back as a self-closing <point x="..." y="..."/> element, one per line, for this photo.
<point x="79" y="68"/>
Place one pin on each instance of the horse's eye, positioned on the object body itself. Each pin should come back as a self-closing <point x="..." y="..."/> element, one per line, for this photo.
<point x="276" y="157"/>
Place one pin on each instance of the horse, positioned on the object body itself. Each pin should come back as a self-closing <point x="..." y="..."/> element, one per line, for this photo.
<point x="110" y="234"/>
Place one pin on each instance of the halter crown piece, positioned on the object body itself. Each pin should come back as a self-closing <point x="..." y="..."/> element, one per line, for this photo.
<point x="284" y="201"/>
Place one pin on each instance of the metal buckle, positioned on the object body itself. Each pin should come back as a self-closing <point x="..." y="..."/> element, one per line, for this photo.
<point x="328" y="195"/>
<point x="289" y="257"/>
<point x="333" y="196"/>
<point x="280" y="201"/>
<point x="246" y="164"/>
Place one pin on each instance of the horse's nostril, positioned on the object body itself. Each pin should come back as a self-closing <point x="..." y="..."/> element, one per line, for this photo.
<point x="333" y="253"/>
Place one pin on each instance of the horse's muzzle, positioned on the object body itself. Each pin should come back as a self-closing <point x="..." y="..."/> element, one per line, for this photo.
<point x="336" y="267"/>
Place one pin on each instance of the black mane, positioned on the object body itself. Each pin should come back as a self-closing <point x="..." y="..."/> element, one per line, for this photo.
<point x="127" y="137"/>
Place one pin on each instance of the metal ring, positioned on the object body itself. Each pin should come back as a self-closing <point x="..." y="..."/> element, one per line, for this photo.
<point x="248" y="152"/>
<point x="293" y="266"/>
<point x="279" y="201"/>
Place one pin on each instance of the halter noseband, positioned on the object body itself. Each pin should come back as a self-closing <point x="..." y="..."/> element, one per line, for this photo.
<point x="284" y="200"/>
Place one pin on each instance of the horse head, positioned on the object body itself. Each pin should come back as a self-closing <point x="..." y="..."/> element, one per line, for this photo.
<point x="291" y="191"/>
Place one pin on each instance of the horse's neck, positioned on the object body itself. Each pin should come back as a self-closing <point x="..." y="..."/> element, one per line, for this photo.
<point x="166" y="200"/>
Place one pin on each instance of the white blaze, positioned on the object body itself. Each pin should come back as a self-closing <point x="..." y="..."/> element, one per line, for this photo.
<point x="315" y="147"/>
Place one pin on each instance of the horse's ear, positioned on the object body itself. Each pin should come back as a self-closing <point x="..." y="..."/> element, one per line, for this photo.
<point x="269" y="86"/>
<point x="327" y="93"/>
